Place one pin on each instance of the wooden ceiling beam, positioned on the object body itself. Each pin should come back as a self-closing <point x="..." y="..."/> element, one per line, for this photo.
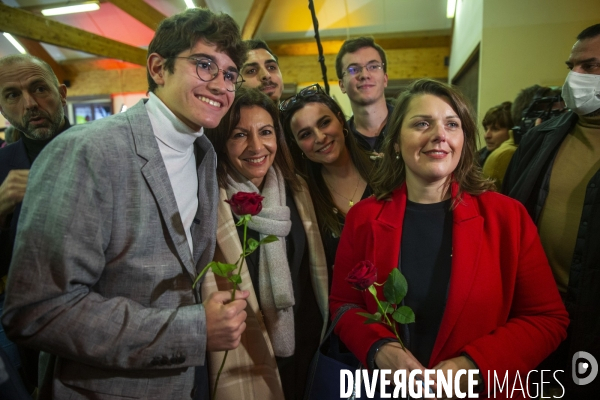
<point x="141" y="11"/>
<point x="36" y="49"/>
<point x="332" y="46"/>
<point x="257" y="12"/>
<point x="34" y="27"/>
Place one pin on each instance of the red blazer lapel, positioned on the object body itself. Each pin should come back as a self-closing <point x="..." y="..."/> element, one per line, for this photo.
<point x="467" y="235"/>
<point x="385" y="247"/>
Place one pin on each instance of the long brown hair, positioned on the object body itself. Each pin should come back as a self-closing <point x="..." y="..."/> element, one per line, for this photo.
<point x="245" y="97"/>
<point x="392" y="171"/>
<point x="311" y="171"/>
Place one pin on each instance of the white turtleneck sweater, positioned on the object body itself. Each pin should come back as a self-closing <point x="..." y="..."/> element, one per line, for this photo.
<point x="176" y="144"/>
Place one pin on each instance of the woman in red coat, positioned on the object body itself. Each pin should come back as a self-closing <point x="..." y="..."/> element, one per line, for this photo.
<point x="478" y="279"/>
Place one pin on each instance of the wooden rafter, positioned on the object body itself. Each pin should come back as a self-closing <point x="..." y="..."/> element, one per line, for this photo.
<point x="257" y="12"/>
<point x="34" y="27"/>
<point x="141" y="11"/>
<point x="35" y="49"/>
<point x="332" y="46"/>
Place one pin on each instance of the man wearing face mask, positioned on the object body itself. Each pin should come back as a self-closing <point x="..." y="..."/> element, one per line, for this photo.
<point x="555" y="173"/>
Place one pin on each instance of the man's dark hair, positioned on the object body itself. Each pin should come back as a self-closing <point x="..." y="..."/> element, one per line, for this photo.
<point x="253" y="44"/>
<point x="589" y="32"/>
<point x="353" y="45"/>
<point x="524" y="99"/>
<point x="182" y="31"/>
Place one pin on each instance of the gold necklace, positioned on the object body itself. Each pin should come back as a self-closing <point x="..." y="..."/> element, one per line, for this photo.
<point x="350" y="200"/>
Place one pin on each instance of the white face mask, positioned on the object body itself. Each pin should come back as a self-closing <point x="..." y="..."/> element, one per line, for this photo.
<point x="581" y="92"/>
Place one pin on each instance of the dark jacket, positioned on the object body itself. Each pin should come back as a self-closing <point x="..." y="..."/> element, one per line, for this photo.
<point x="12" y="157"/>
<point x="360" y="138"/>
<point x="527" y="180"/>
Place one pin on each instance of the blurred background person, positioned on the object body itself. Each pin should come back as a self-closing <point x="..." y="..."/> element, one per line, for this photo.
<point x="499" y="142"/>
<point x="287" y="279"/>
<point x="478" y="279"/>
<point x="328" y="157"/>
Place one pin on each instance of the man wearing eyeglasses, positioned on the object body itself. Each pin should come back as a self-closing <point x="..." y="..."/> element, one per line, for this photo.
<point x="361" y="69"/>
<point x="118" y="219"/>
<point x="261" y="70"/>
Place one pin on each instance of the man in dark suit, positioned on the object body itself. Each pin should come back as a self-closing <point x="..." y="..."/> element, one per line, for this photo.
<point x="32" y="100"/>
<point x="119" y="218"/>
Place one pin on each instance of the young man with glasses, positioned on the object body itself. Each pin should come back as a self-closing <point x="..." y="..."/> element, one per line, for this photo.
<point x="121" y="216"/>
<point x="361" y="69"/>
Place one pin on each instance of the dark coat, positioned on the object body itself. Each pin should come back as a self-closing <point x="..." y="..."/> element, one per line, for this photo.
<point x="527" y="180"/>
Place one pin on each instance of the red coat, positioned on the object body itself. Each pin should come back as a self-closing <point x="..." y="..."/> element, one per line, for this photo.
<point x="503" y="308"/>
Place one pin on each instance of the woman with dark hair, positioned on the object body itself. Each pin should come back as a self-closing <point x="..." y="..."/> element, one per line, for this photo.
<point x="327" y="156"/>
<point x="287" y="279"/>
<point x="478" y="280"/>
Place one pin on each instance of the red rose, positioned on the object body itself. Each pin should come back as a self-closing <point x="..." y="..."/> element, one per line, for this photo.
<point x="243" y="203"/>
<point x="363" y="275"/>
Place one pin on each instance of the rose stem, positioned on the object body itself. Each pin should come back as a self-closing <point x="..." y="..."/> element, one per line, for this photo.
<point x="241" y="262"/>
<point x="389" y="322"/>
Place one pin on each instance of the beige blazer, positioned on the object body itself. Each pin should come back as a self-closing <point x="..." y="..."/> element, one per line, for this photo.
<point x="250" y="371"/>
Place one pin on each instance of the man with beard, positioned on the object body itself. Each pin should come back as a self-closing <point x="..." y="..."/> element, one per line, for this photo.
<point x="555" y="173"/>
<point x="261" y="70"/>
<point x="32" y="100"/>
<point x="361" y="68"/>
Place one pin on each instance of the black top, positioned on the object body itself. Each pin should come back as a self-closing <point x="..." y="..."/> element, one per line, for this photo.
<point x="331" y="242"/>
<point x="307" y="316"/>
<point x="425" y="261"/>
<point x="366" y="142"/>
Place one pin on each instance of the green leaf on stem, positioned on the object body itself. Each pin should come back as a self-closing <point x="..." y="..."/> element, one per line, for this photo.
<point x="209" y="265"/>
<point x="385" y="307"/>
<point x="222" y="269"/>
<point x="235" y="279"/>
<point x="374" y="317"/>
<point x="252" y="245"/>
<point x="395" y="287"/>
<point x="404" y="315"/>
<point x="269" y="239"/>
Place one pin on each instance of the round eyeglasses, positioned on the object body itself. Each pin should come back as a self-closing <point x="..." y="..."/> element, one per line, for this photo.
<point x="207" y="70"/>
<point x="306" y="92"/>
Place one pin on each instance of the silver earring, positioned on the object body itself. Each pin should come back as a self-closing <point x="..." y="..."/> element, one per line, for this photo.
<point x="397" y="156"/>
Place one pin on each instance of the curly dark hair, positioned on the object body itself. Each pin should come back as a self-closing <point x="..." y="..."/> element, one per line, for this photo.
<point x="246" y="97"/>
<point x="391" y="173"/>
<point x="182" y="31"/>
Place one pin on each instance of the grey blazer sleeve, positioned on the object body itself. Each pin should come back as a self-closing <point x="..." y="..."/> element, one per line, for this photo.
<point x="95" y="277"/>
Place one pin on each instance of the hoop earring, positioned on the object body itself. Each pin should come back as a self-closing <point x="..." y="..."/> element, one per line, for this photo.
<point x="345" y="132"/>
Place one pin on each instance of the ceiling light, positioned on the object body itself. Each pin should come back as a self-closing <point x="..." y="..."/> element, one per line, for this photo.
<point x="190" y="4"/>
<point x="451" y="8"/>
<point x="14" y="42"/>
<point x="69" y="8"/>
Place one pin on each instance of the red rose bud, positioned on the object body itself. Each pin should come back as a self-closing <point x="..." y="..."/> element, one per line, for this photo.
<point x="363" y="275"/>
<point x="243" y="203"/>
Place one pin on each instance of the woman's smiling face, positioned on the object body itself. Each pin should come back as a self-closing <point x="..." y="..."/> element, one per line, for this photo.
<point x="431" y="140"/>
<point x="252" y="144"/>
<point x="318" y="132"/>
